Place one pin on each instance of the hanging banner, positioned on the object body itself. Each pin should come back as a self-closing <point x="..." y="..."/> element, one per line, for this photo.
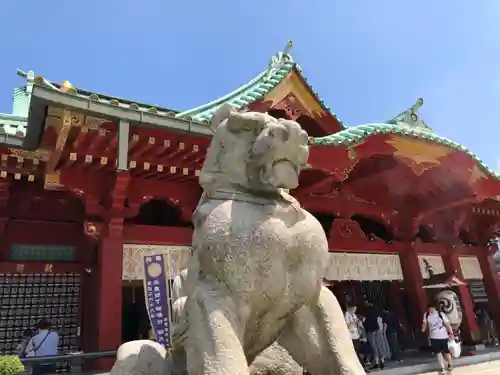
<point x="157" y="296"/>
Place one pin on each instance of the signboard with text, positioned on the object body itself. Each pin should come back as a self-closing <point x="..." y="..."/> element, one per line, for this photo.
<point x="157" y="296"/>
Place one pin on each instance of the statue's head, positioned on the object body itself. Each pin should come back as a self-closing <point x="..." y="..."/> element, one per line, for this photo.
<point x="254" y="151"/>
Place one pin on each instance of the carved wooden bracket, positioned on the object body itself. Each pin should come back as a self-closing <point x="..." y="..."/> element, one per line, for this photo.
<point x="119" y="192"/>
<point x="344" y="204"/>
<point x="345" y="228"/>
<point x="116" y="213"/>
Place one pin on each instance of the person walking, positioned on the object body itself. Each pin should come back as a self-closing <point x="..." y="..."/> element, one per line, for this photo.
<point x="374" y="334"/>
<point x="486" y="327"/>
<point x="439" y="330"/>
<point x="44" y="343"/>
<point x="353" y="324"/>
<point x="391" y="330"/>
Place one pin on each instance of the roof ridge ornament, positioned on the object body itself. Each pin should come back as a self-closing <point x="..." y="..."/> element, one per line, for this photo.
<point x="411" y="117"/>
<point x="279" y="60"/>
<point x="29" y="77"/>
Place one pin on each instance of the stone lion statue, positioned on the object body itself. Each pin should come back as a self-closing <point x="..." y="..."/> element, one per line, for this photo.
<point x="274" y="360"/>
<point x="147" y="357"/>
<point x="139" y="357"/>
<point x="255" y="277"/>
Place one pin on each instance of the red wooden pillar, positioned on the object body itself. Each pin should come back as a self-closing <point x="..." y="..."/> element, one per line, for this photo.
<point x="413" y="282"/>
<point x="491" y="285"/>
<point x="109" y="296"/>
<point x="469" y="329"/>
<point x="4" y="217"/>
<point x="89" y="290"/>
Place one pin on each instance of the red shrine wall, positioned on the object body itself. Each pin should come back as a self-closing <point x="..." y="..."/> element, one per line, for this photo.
<point x="40" y="217"/>
<point x="43" y="254"/>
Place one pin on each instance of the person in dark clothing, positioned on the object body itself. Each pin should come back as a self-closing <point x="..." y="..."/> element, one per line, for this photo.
<point x="391" y="330"/>
<point x="374" y="334"/>
<point x="486" y="327"/>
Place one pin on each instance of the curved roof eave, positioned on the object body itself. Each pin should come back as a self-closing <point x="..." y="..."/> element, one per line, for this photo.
<point x="358" y="134"/>
<point x="252" y="91"/>
<point x="281" y="65"/>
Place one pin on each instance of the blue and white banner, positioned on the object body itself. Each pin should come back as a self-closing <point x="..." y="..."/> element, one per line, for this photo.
<point x="157" y="295"/>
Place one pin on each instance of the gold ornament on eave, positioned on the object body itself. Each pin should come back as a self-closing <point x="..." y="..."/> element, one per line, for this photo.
<point x="68" y="87"/>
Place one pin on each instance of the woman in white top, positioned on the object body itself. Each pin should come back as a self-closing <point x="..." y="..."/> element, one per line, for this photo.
<point x="353" y="324"/>
<point x="439" y="331"/>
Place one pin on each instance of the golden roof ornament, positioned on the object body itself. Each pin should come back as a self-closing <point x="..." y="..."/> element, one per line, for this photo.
<point x="67" y="87"/>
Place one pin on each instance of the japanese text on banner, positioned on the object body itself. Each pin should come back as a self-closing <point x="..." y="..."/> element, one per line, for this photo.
<point x="158" y="298"/>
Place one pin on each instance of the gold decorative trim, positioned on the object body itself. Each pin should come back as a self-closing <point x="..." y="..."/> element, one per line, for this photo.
<point x="417" y="154"/>
<point x="52" y="181"/>
<point x="39" y="154"/>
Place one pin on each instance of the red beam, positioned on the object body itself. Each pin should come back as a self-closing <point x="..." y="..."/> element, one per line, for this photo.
<point x="346" y="206"/>
<point x="317" y="187"/>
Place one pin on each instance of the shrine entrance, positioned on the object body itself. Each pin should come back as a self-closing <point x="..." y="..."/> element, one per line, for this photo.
<point x="135" y="321"/>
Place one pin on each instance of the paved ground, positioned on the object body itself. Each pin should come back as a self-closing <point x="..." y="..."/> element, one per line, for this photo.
<point x="488" y="368"/>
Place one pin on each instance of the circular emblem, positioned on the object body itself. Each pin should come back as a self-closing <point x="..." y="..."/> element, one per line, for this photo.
<point x="154" y="270"/>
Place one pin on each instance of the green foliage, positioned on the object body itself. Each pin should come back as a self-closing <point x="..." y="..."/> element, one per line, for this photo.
<point x="11" y="365"/>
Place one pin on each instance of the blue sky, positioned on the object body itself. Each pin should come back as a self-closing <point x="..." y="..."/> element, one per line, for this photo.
<point x="368" y="59"/>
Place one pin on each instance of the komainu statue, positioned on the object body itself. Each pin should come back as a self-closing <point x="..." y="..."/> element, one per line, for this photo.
<point x="255" y="278"/>
<point x="274" y="360"/>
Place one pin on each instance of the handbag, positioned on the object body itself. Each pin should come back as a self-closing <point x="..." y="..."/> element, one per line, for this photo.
<point x="455" y="348"/>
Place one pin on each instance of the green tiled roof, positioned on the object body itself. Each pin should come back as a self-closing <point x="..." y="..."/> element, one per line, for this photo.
<point x="407" y="124"/>
<point x="12" y="130"/>
<point x="13" y="125"/>
<point x="280" y="65"/>
<point x="257" y="88"/>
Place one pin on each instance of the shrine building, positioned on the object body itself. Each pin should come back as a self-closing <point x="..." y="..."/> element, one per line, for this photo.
<point x="89" y="183"/>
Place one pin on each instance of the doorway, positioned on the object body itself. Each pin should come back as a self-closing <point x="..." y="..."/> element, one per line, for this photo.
<point x="135" y="321"/>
